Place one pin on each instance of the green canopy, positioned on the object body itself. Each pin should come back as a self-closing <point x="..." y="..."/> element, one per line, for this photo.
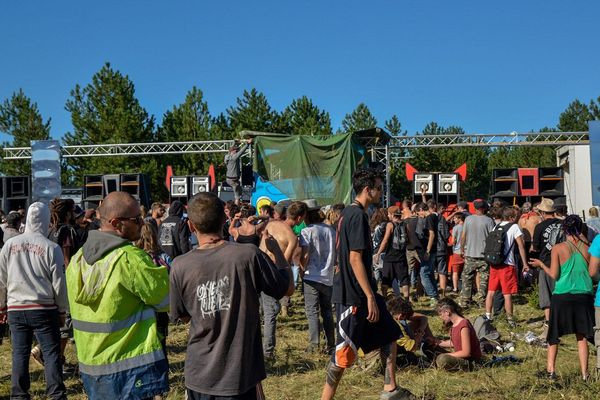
<point x="310" y="167"/>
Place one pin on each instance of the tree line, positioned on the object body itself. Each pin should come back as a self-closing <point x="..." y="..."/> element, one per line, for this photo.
<point x="106" y="110"/>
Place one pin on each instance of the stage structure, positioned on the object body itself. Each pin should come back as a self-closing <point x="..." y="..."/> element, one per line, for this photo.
<point x="380" y="149"/>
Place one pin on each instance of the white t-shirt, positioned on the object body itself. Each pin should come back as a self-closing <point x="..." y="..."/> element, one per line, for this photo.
<point x="319" y="239"/>
<point x="510" y="246"/>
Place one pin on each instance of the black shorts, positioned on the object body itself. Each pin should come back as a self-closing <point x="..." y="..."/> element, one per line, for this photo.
<point x="442" y="263"/>
<point x="353" y="331"/>
<point x="395" y="270"/>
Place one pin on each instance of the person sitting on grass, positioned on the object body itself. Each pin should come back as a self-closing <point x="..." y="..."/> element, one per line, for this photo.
<point x="463" y="339"/>
<point x="415" y="332"/>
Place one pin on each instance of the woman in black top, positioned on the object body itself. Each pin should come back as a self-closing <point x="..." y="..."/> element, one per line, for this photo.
<point x="248" y="232"/>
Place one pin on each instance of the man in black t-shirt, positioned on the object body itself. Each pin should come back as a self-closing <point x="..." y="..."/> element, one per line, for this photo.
<point x="217" y="286"/>
<point x="362" y="318"/>
<point x="427" y="252"/>
<point x="545" y="235"/>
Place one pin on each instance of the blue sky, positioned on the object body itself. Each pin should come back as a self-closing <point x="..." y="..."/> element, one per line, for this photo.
<point x="485" y="66"/>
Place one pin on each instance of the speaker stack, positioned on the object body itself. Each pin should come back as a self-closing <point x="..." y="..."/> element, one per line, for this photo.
<point x="423" y="182"/>
<point x="518" y="185"/>
<point x="183" y="188"/>
<point x="96" y="187"/>
<point x="447" y="188"/>
<point x="15" y="193"/>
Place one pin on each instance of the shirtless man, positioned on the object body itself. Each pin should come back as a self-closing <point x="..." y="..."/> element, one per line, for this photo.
<point x="288" y="243"/>
<point x="528" y="221"/>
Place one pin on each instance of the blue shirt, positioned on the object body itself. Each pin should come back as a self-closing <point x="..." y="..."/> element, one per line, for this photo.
<point x="595" y="252"/>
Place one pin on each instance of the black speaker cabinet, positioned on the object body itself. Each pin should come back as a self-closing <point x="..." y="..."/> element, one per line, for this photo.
<point x="136" y="185"/>
<point x="247" y="175"/>
<point x="505" y="182"/>
<point x="17" y="192"/>
<point x="552" y="182"/>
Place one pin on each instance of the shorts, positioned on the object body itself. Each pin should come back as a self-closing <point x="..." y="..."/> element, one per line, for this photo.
<point x="441" y="263"/>
<point x="236" y="186"/>
<point x="353" y="331"/>
<point x="457" y="262"/>
<point x="545" y="288"/>
<point x="503" y="277"/>
<point x="395" y="270"/>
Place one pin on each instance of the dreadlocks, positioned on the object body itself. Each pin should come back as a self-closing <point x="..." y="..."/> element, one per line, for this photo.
<point x="59" y="212"/>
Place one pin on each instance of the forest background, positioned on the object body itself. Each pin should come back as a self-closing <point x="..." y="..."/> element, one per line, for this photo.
<point x="106" y="110"/>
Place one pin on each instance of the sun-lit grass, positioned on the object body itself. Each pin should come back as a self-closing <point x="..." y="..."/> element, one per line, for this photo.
<point x="297" y="375"/>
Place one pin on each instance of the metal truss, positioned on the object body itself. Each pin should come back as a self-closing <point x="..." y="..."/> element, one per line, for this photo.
<point x="491" y="140"/>
<point x="397" y="142"/>
<point x="128" y="149"/>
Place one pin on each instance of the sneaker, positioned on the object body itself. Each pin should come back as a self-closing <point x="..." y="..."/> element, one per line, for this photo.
<point x="397" y="394"/>
<point x="37" y="355"/>
<point x="433" y="302"/>
<point x="511" y="323"/>
<point x="552" y="376"/>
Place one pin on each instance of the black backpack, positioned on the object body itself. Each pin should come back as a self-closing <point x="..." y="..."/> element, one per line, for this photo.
<point x="399" y="236"/>
<point x="493" y="252"/>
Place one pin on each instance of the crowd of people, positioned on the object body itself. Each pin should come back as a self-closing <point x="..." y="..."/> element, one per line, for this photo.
<point x="110" y="280"/>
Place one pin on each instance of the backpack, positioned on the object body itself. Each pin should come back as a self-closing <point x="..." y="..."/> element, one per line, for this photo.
<point x="378" y="234"/>
<point x="420" y="231"/>
<point x="443" y="229"/>
<point x="399" y="236"/>
<point x="54" y="235"/>
<point x="493" y="252"/>
<point x="484" y="329"/>
<point x="556" y="236"/>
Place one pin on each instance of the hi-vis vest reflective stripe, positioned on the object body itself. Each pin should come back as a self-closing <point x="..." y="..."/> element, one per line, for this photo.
<point x="117" y="331"/>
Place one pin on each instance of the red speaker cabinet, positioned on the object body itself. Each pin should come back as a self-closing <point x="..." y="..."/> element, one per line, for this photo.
<point x="529" y="181"/>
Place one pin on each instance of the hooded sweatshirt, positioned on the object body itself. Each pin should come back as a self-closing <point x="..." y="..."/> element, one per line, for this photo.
<point x="174" y="233"/>
<point x="32" y="268"/>
<point x="114" y="291"/>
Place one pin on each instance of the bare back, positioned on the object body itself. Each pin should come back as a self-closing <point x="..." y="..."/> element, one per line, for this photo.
<point x="285" y="237"/>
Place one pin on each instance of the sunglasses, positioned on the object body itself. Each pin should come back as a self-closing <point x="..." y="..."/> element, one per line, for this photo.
<point x="137" y="219"/>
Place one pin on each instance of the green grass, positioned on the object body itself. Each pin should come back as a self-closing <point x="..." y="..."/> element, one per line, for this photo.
<point x="300" y="376"/>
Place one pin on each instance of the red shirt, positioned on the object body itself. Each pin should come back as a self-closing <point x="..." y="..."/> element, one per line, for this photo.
<point x="457" y="342"/>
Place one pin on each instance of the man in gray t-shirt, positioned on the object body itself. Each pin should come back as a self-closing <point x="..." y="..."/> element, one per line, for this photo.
<point x="475" y="230"/>
<point x="232" y="163"/>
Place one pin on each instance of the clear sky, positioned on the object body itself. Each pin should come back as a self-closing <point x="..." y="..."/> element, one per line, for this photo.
<point x="487" y="66"/>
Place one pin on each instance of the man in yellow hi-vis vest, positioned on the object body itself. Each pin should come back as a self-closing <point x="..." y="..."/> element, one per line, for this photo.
<point x="114" y="290"/>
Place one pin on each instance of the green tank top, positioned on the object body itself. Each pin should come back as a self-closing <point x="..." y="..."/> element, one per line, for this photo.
<point x="574" y="276"/>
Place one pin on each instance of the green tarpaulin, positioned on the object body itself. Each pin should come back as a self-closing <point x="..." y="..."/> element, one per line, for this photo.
<point x="310" y="167"/>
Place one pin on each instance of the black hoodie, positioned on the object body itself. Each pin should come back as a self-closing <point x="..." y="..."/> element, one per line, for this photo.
<point x="174" y="233"/>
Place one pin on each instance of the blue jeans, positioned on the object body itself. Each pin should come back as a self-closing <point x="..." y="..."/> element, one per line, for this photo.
<point x="44" y="324"/>
<point x="142" y="382"/>
<point x="427" y="275"/>
<point x="271" y="308"/>
<point x="317" y="300"/>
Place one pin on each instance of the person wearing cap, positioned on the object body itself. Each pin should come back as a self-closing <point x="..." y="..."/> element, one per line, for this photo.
<point x="546" y="234"/>
<point x="475" y="231"/>
<point x="232" y="163"/>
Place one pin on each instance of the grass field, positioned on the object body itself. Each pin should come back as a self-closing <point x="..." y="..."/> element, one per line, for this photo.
<point x="297" y="375"/>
